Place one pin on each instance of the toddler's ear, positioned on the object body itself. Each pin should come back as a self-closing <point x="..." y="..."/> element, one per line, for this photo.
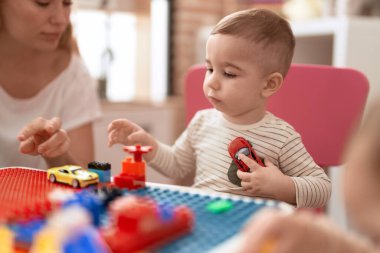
<point x="274" y="83"/>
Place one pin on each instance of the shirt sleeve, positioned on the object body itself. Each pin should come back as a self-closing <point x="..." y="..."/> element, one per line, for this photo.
<point x="179" y="160"/>
<point x="313" y="187"/>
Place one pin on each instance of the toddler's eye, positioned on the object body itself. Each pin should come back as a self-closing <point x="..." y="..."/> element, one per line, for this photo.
<point x="210" y="70"/>
<point x="229" y="75"/>
<point x="43" y="3"/>
<point x="67" y="2"/>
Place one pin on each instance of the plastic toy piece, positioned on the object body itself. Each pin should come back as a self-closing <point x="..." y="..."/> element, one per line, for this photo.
<point x="73" y="175"/>
<point x="241" y="146"/>
<point x="6" y="240"/>
<point x="219" y="206"/>
<point x="45" y="241"/>
<point x="107" y="194"/>
<point x="25" y="194"/>
<point x="137" y="151"/>
<point x="25" y="231"/>
<point x="140" y="224"/>
<point x="102" y="169"/>
<point x="86" y="240"/>
<point x="89" y="202"/>
<point x="132" y="175"/>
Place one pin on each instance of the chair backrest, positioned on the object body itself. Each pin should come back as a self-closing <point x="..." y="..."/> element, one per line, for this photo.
<point x="323" y="103"/>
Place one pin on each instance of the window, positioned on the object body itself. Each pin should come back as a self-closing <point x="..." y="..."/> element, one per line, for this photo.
<point x="125" y="47"/>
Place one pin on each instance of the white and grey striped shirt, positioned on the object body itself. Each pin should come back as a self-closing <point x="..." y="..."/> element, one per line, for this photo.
<point x="203" y="146"/>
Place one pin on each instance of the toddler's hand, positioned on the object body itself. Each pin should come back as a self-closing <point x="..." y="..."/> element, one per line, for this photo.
<point x="44" y="137"/>
<point x="125" y="132"/>
<point x="268" y="181"/>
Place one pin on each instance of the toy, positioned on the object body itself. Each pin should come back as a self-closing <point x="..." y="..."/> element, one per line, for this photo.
<point x="133" y="170"/>
<point x="241" y="146"/>
<point x="28" y="187"/>
<point x="24" y="194"/>
<point x="6" y="240"/>
<point x="219" y="206"/>
<point x="140" y="224"/>
<point x="73" y="175"/>
<point x="102" y="169"/>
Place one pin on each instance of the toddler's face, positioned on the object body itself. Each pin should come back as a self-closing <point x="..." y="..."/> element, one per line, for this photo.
<point x="362" y="188"/>
<point x="234" y="82"/>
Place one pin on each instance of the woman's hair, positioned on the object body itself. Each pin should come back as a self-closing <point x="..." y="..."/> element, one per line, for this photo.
<point x="270" y="35"/>
<point x="67" y="41"/>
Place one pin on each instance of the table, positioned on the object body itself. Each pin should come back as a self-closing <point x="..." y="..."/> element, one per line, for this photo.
<point x="210" y="229"/>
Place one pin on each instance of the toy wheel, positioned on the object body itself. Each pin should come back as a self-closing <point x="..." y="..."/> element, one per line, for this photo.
<point x="75" y="183"/>
<point x="52" y="178"/>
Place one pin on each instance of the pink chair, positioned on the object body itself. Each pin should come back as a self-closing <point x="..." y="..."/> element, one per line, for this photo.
<point x="323" y="103"/>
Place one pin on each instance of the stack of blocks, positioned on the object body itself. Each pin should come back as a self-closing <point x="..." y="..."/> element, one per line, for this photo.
<point x="132" y="175"/>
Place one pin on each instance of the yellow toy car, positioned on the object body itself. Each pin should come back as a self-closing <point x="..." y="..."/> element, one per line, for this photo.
<point x="73" y="175"/>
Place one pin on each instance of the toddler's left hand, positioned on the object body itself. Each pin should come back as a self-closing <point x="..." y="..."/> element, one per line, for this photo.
<point x="268" y="181"/>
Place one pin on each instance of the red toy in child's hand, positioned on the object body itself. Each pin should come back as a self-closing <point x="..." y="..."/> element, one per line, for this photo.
<point x="241" y="146"/>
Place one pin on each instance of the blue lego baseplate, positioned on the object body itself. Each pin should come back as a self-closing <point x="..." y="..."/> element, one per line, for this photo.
<point x="211" y="229"/>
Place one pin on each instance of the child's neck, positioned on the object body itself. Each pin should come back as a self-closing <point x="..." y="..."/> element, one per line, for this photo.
<point x="249" y="118"/>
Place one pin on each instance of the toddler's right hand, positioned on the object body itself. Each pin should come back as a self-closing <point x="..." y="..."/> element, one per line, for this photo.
<point x="125" y="132"/>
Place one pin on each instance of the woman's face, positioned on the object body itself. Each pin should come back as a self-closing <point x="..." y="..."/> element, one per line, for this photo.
<point x="362" y="186"/>
<point x="37" y="24"/>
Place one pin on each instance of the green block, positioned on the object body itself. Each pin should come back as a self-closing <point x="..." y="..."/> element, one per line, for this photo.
<point x="219" y="206"/>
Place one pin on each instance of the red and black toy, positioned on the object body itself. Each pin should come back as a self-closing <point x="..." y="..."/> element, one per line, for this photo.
<point x="241" y="146"/>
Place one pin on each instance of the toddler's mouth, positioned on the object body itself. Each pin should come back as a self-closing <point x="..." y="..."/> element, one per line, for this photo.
<point x="213" y="100"/>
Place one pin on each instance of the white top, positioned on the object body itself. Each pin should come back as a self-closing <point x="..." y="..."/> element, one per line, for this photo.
<point x="203" y="146"/>
<point x="71" y="96"/>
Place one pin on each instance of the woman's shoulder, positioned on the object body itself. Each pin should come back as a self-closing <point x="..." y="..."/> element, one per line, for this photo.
<point x="73" y="68"/>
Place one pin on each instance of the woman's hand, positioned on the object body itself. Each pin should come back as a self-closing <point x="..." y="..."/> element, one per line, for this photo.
<point x="273" y="231"/>
<point x="44" y="137"/>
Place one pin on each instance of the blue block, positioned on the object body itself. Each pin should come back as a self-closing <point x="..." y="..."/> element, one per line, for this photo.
<point x="102" y="169"/>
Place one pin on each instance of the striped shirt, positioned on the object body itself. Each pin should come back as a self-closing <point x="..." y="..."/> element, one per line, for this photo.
<point x="203" y="146"/>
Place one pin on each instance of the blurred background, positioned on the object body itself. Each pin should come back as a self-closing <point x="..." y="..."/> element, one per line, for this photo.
<point x="139" y="52"/>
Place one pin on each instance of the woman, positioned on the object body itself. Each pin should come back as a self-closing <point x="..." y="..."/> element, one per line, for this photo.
<point x="44" y="87"/>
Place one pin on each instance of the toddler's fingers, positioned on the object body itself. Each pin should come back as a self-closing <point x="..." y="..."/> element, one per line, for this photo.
<point x="244" y="176"/>
<point x="252" y="164"/>
<point x="111" y="138"/>
<point x="111" y="126"/>
<point x="267" y="162"/>
<point x="121" y="124"/>
<point x="246" y="185"/>
<point x="117" y="136"/>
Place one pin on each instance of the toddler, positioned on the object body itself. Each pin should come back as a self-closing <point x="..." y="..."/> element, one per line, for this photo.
<point x="248" y="54"/>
